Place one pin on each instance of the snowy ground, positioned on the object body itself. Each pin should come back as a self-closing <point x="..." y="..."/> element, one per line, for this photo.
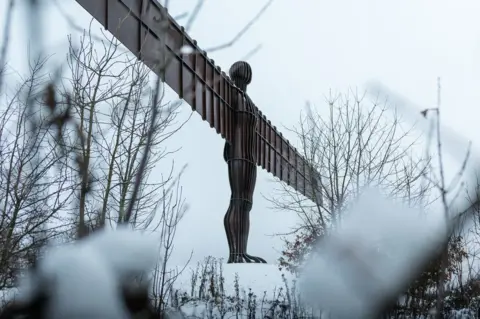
<point x="266" y="282"/>
<point x="219" y="290"/>
<point x="355" y="270"/>
<point x="347" y="274"/>
<point x="257" y="278"/>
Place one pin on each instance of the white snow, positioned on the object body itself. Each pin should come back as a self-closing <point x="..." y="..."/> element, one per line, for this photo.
<point x="249" y="290"/>
<point x="379" y="245"/>
<point x="83" y="279"/>
<point x="259" y="278"/>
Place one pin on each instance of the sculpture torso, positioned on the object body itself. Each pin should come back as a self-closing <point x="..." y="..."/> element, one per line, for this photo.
<point x="243" y="144"/>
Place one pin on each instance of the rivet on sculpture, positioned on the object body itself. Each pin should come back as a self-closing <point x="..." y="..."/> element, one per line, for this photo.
<point x="240" y="155"/>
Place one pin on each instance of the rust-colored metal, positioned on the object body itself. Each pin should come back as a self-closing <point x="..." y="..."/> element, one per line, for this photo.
<point x="148" y="31"/>
<point x="240" y="155"/>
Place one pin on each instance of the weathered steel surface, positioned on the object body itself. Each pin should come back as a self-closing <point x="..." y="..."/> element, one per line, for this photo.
<point x="240" y="155"/>
<point x="147" y="30"/>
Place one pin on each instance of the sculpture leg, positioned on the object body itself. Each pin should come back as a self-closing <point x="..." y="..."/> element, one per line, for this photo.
<point x="230" y="212"/>
<point x="242" y="176"/>
<point x="229" y="236"/>
<point x="234" y="222"/>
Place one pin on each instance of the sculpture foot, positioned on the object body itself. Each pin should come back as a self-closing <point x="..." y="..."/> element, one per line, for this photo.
<point x="245" y="258"/>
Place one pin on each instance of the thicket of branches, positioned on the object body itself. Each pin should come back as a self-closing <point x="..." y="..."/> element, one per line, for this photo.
<point x="359" y="143"/>
<point x="76" y="145"/>
<point x="35" y="187"/>
<point x="71" y="150"/>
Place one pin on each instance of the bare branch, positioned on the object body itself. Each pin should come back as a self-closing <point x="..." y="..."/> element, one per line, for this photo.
<point x="242" y="32"/>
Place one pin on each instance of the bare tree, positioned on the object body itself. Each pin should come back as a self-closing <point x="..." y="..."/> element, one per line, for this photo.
<point x="172" y="210"/>
<point x="448" y="281"/>
<point x="35" y="188"/>
<point x="112" y="100"/>
<point x="448" y="193"/>
<point x="354" y="146"/>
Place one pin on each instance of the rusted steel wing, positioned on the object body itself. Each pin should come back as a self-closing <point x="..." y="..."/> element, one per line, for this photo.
<point x="147" y="30"/>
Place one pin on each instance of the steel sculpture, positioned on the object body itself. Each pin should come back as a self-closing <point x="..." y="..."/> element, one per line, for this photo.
<point x="148" y="31"/>
<point x="240" y="155"/>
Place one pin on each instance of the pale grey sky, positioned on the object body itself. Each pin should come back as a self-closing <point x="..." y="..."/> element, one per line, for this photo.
<point x="309" y="47"/>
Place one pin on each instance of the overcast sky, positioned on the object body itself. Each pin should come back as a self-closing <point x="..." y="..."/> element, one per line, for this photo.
<point x="309" y="47"/>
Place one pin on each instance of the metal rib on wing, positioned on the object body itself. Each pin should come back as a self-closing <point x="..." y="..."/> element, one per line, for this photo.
<point x="279" y="157"/>
<point x="139" y="26"/>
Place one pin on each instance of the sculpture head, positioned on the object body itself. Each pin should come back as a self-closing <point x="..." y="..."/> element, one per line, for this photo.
<point x="241" y="74"/>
